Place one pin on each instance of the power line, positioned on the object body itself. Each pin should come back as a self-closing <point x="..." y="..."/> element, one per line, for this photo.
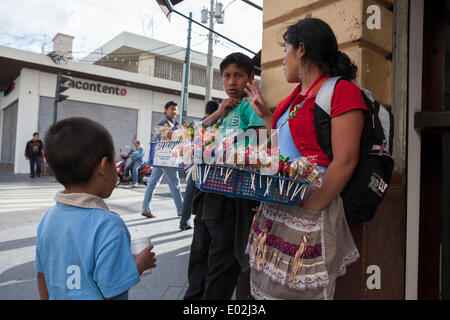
<point x="168" y="53"/>
<point x="142" y="59"/>
<point x="132" y="53"/>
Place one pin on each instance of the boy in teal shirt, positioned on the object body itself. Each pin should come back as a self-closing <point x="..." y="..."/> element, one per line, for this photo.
<point x="222" y="223"/>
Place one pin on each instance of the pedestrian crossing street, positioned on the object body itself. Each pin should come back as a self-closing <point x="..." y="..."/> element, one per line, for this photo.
<point x="27" y="203"/>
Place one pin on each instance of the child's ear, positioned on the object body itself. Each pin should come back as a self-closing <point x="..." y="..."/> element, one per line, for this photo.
<point x="101" y="168"/>
<point x="252" y="77"/>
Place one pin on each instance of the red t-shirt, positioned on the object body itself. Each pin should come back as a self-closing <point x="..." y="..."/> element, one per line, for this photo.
<point x="346" y="96"/>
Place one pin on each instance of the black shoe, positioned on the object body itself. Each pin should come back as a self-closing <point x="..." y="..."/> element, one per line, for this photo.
<point x="31" y="175"/>
<point x="185" y="227"/>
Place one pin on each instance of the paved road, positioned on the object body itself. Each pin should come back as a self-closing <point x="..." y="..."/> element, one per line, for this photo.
<point x="23" y="201"/>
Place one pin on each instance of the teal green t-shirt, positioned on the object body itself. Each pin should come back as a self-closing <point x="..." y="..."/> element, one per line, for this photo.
<point x="242" y="117"/>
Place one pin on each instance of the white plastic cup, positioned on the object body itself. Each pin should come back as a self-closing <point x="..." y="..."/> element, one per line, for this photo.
<point x="137" y="245"/>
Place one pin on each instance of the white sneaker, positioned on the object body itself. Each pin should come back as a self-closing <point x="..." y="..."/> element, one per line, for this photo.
<point x="134" y="185"/>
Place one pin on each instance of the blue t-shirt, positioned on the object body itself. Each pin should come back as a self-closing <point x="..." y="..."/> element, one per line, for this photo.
<point x="84" y="254"/>
<point x="285" y="142"/>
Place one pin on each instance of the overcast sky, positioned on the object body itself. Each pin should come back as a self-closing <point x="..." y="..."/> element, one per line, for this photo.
<point x="31" y="24"/>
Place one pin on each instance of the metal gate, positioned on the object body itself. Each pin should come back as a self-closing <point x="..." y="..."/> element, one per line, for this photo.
<point x="9" y="133"/>
<point x="120" y="122"/>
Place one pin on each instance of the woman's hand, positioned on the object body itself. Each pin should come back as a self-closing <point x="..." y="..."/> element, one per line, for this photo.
<point x="257" y="102"/>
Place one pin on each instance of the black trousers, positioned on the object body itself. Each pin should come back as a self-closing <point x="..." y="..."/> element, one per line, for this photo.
<point x="221" y="229"/>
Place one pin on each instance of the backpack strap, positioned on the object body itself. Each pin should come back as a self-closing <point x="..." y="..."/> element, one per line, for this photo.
<point x="323" y="98"/>
<point x="322" y="115"/>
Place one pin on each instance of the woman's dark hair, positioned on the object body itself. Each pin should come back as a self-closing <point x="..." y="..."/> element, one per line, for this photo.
<point x="321" y="47"/>
<point x="240" y="60"/>
<point x="74" y="147"/>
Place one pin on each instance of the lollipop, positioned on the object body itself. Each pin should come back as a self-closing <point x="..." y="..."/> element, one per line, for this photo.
<point x="302" y="166"/>
<point x="208" y="154"/>
<point x="286" y="169"/>
<point x="252" y="155"/>
<point x="293" y="170"/>
<point x="315" y="176"/>
<point x="231" y="155"/>
<point x="240" y="155"/>
<point x="264" y="158"/>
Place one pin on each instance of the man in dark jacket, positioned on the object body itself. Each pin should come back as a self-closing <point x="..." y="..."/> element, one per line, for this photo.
<point x="33" y="153"/>
<point x="171" y="175"/>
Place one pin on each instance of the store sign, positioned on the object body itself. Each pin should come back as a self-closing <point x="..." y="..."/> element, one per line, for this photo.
<point x="97" y="87"/>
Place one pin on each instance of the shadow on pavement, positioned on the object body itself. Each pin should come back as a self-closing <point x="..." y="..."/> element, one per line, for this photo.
<point x="168" y="281"/>
<point x="156" y="242"/>
<point x="152" y="220"/>
<point x="16" y="244"/>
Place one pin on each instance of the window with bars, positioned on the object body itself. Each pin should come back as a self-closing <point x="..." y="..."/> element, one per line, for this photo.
<point x="217" y="81"/>
<point x="172" y="70"/>
<point x="168" y="69"/>
<point x="198" y="76"/>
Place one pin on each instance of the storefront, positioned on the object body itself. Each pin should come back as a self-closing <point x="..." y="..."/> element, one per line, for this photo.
<point x="129" y="105"/>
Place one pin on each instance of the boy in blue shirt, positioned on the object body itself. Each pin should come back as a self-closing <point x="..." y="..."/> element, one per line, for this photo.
<point x="82" y="248"/>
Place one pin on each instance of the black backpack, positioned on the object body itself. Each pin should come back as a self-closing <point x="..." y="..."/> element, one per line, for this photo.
<point x="366" y="188"/>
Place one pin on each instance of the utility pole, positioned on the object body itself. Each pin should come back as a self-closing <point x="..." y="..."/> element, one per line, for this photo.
<point x="215" y="11"/>
<point x="186" y="69"/>
<point x="167" y="8"/>
<point x="209" y="67"/>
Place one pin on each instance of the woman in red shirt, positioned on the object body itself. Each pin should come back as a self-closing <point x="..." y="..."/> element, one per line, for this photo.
<point x="298" y="252"/>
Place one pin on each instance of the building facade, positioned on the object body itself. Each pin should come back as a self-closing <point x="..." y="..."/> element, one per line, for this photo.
<point x="127" y="101"/>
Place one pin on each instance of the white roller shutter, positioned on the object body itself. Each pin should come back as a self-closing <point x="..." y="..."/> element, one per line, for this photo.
<point x="120" y="122"/>
<point x="9" y="133"/>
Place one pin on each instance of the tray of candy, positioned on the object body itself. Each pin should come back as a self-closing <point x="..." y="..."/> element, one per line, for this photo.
<point x="246" y="183"/>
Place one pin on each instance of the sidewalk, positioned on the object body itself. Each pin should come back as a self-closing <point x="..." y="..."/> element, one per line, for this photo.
<point x="24" y="200"/>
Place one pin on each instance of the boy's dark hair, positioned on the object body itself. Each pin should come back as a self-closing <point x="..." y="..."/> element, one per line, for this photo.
<point x="211" y="107"/>
<point x="35" y="133"/>
<point x="241" y="60"/>
<point x="74" y="147"/>
<point x="170" y="103"/>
